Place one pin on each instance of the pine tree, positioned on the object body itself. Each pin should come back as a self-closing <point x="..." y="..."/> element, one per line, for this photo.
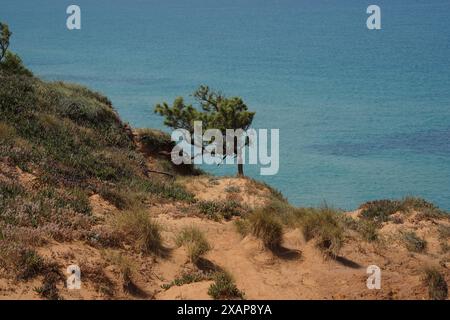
<point x="215" y="111"/>
<point x="5" y="34"/>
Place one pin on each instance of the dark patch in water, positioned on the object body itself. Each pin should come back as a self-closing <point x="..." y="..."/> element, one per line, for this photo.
<point x="435" y="142"/>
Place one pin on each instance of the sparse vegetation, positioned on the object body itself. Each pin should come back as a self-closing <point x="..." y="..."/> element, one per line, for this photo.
<point x="435" y="281"/>
<point x="413" y="242"/>
<point x="217" y="210"/>
<point x="224" y="288"/>
<point x="64" y="150"/>
<point x="155" y="141"/>
<point x="324" y="226"/>
<point x="194" y="241"/>
<point x="267" y="227"/>
<point x="380" y="211"/>
<point x="48" y="289"/>
<point x="187" y="278"/>
<point x="368" y="230"/>
<point x="138" y="228"/>
<point x="20" y="261"/>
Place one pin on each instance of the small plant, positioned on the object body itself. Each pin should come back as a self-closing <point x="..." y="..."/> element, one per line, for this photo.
<point x="137" y="226"/>
<point x="413" y="242"/>
<point x="368" y="230"/>
<point x="242" y="227"/>
<point x="119" y="198"/>
<point x="220" y="209"/>
<point x="325" y="227"/>
<point x="419" y="204"/>
<point x="49" y="290"/>
<point x="29" y="264"/>
<point x="155" y="141"/>
<point x="265" y="226"/>
<point x="194" y="241"/>
<point x="187" y="278"/>
<point x="380" y="210"/>
<point x="5" y="34"/>
<point x="224" y="287"/>
<point x="435" y="281"/>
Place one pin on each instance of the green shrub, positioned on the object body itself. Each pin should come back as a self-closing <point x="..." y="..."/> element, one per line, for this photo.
<point x="324" y="226"/>
<point x="24" y="263"/>
<point x="368" y="230"/>
<point x="194" y="241"/>
<point x="416" y="203"/>
<point x="413" y="242"/>
<point x="155" y="141"/>
<point x="288" y="215"/>
<point x="121" y="198"/>
<point x="224" y="287"/>
<point x="13" y="64"/>
<point x="48" y="289"/>
<point x="380" y="210"/>
<point x="167" y="190"/>
<point x="220" y="209"/>
<point x="274" y="193"/>
<point x="437" y="286"/>
<point x="9" y="190"/>
<point x="187" y="278"/>
<point x="265" y="226"/>
<point x="137" y="227"/>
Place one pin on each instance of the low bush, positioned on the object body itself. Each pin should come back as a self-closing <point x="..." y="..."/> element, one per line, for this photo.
<point x="413" y="242"/>
<point x="224" y="287"/>
<point x="435" y="281"/>
<point x="138" y="228"/>
<point x="187" y="278"/>
<point x="380" y="210"/>
<point x="267" y="227"/>
<point x="324" y="226"/>
<point x="217" y="210"/>
<point x="154" y="141"/>
<point x="194" y="241"/>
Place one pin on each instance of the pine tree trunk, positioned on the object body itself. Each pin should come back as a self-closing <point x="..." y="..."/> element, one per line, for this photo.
<point x="240" y="169"/>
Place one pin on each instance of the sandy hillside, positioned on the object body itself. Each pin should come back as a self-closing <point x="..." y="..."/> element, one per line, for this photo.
<point x="299" y="270"/>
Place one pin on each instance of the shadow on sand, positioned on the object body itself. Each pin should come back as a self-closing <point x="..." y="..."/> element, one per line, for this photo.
<point x="286" y="253"/>
<point x="347" y="262"/>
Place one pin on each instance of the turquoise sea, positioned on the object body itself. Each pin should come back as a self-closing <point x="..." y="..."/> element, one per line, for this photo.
<point x="362" y="114"/>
